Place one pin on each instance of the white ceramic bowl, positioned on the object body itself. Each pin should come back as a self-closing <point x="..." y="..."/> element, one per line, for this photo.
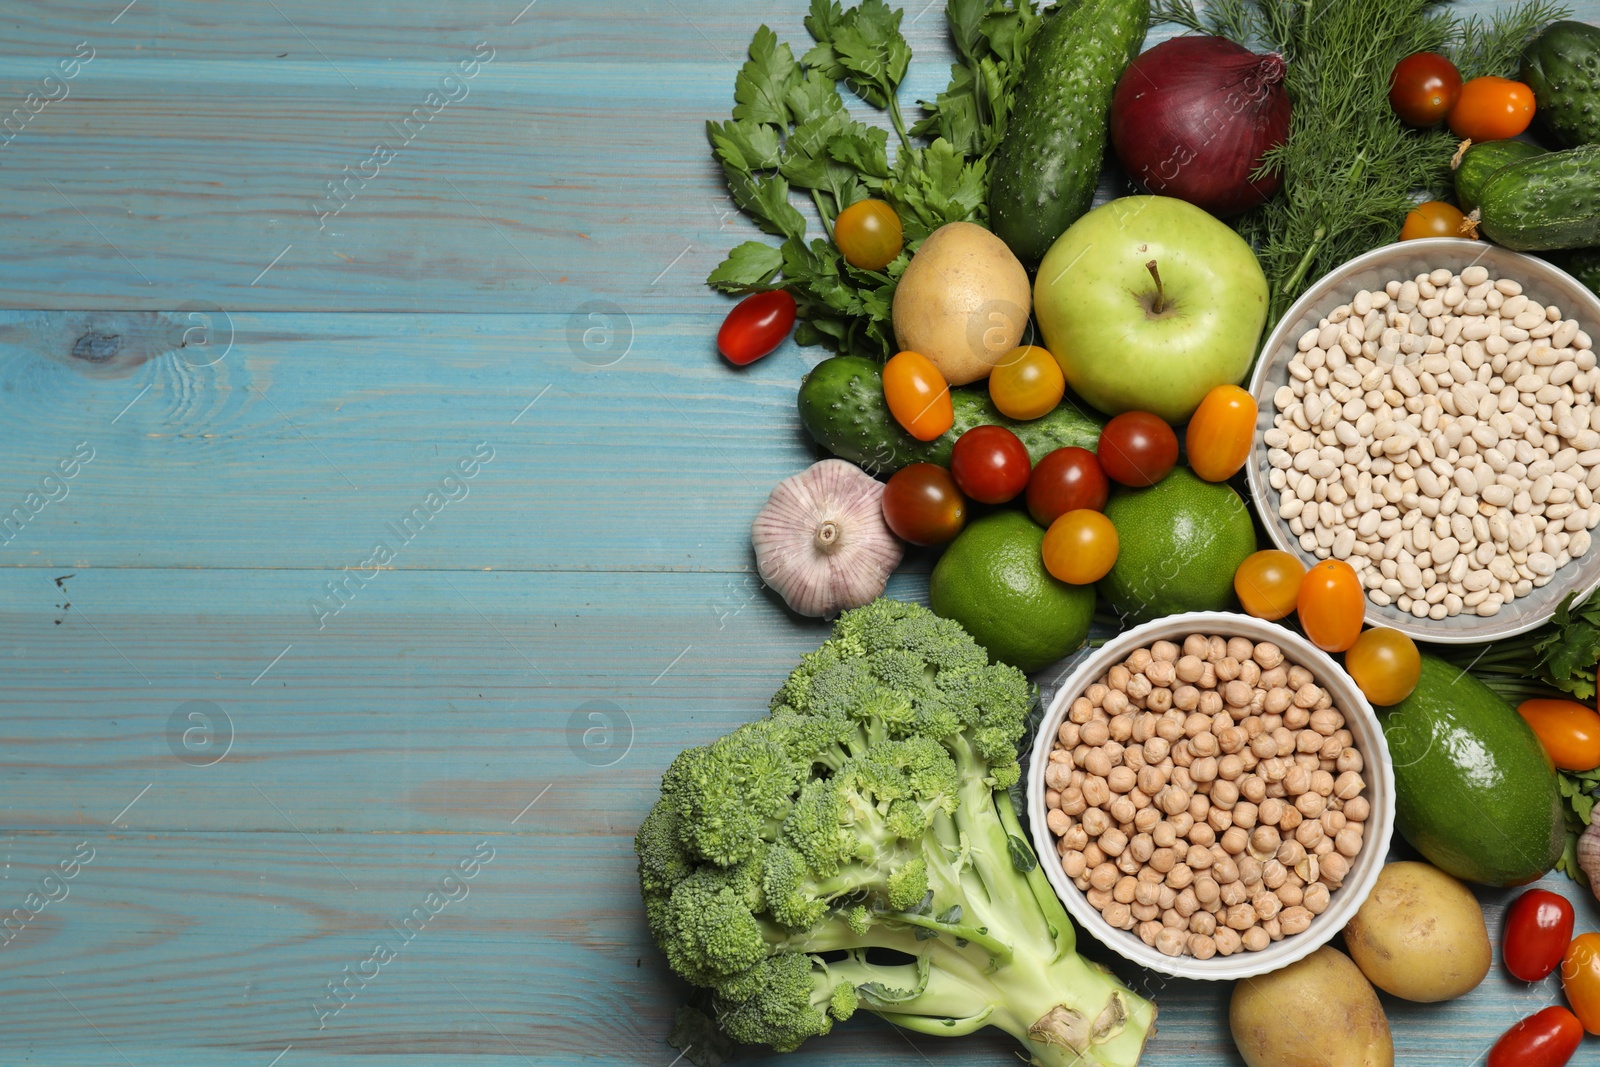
<point x="1407" y="259"/>
<point x="1360" y="721"/>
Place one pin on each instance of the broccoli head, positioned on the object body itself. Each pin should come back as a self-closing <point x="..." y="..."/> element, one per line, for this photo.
<point x="870" y="811"/>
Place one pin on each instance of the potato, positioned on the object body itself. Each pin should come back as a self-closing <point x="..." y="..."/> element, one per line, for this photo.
<point x="1420" y="934"/>
<point x="963" y="302"/>
<point x="1318" y="1012"/>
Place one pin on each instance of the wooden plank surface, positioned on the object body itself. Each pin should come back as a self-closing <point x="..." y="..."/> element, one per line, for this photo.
<point x="268" y="772"/>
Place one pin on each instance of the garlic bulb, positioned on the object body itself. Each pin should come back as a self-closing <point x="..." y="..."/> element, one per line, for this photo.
<point x="1589" y="856"/>
<point x="821" y="542"/>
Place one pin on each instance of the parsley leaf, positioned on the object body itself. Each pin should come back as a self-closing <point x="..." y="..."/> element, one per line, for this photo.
<point x="766" y="199"/>
<point x="749" y="267"/>
<point x="765" y="80"/>
<point x="744" y="145"/>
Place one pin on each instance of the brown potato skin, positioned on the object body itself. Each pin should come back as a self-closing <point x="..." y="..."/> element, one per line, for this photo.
<point x="1318" y="1012"/>
<point x="1420" y="935"/>
<point x="963" y="301"/>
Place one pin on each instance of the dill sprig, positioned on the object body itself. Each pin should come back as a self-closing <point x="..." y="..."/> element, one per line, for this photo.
<point x="1351" y="171"/>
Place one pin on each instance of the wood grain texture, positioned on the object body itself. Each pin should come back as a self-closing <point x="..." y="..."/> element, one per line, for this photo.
<point x="266" y="784"/>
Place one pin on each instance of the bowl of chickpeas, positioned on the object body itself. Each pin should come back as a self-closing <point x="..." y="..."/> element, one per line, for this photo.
<point x="1211" y="796"/>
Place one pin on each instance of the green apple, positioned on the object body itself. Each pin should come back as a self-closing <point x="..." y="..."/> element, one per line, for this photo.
<point x="1148" y="303"/>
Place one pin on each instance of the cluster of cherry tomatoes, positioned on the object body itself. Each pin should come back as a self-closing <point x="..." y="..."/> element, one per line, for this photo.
<point x="1538" y="939"/>
<point x="1426" y="88"/>
<point x="1330" y="603"/>
<point x="1067" y="491"/>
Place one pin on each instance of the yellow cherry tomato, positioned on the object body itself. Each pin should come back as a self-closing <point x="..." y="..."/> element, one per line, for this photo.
<point x="1080" y="547"/>
<point x="1433" y="219"/>
<point x="1028" y="384"/>
<point x="1330" y="605"/>
<point x="868" y="234"/>
<point x="918" y="396"/>
<point x="1385" y="664"/>
<point x="1220" y="433"/>
<point x="1268" y="583"/>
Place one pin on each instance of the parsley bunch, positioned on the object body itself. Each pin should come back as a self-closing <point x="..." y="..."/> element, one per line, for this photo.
<point x="791" y="131"/>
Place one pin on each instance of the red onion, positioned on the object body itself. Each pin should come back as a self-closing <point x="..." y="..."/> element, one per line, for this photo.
<point x="1193" y="116"/>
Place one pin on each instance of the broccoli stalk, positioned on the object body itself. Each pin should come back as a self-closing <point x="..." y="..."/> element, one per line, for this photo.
<point x="858" y="848"/>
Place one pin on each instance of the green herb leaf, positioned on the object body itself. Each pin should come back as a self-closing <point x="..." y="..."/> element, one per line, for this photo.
<point x="866" y="148"/>
<point x="743" y="145"/>
<point x="766" y="199"/>
<point x="815" y="96"/>
<point x="749" y="267"/>
<point x="765" y="80"/>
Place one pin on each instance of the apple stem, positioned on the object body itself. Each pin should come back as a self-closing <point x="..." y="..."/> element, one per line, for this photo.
<point x="1161" y="297"/>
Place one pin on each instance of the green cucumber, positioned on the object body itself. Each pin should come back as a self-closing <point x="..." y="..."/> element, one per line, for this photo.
<point x="1548" y="201"/>
<point x="1582" y="263"/>
<point x="1046" y="169"/>
<point x="1474" y="791"/>
<point x="1562" y="67"/>
<point x="1484" y="159"/>
<point x="842" y="407"/>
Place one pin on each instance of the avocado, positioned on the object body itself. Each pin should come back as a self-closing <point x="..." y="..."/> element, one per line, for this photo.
<point x="1475" y="792"/>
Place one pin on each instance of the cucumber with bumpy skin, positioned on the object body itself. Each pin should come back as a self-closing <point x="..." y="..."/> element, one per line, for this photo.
<point x="1480" y="162"/>
<point x="1562" y="67"/>
<point x="842" y="406"/>
<point x="1046" y="169"/>
<point x="1549" y="201"/>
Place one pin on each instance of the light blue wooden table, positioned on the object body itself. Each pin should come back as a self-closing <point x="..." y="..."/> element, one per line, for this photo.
<point x="261" y="743"/>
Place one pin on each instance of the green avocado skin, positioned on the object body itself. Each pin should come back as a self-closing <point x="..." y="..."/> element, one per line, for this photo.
<point x="1474" y="791"/>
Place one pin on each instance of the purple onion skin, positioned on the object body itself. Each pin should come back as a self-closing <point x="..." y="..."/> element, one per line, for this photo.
<point x="1192" y="117"/>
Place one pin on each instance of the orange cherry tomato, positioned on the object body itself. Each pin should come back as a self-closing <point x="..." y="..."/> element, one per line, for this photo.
<point x="868" y="234"/>
<point x="1330" y="604"/>
<point x="1268" y="583"/>
<point x="1385" y="664"/>
<point x="1433" y="219"/>
<point x="918" y="396"/>
<point x="1580" y="979"/>
<point x="1028" y="384"/>
<point x="1080" y="547"/>
<point x="1568" y="730"/>
<point x="1492" y="109"/>
<point x="1220" y="433"/>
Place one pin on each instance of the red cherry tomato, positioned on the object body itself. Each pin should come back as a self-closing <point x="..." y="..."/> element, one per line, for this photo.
<point x="1330" y="605"/>
<point x="1080" y="547"/>
<point x="1068" y="479"/>
<point x="1546" y="1038"/>
<point x="1580" y="979"/>
<point x="990" y="464"/>
<point x="1268" y="583"/>
<point x="1492" y="109"/>
<point x="1137" y="448"/>
<point x="1220" y="433"/>
<point x="1433" y="219"/>
<point x="1538" y="928"/>
<point x="1385" y="664"/>
<point x="868" y="234"/>
<point x="921" y="504"/>
<point x="756" y="325"/>
<point x="918" y="396"/>
<point x="1568" y="730"/>
<point x="1423" y="88"/>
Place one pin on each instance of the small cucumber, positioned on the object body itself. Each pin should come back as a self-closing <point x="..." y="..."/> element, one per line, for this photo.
<point x="1482" y="160"/>
<point x="1044" y="174"/>
<point x="842" y="407"/>
<point x="1562" y="67"/>
<point x="1548" y="201"/>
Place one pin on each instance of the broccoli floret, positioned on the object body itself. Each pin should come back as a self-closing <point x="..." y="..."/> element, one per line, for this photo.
<point x="869" y="810"/>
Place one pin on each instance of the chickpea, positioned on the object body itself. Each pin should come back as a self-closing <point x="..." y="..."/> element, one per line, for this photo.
<point x="1204" y="770"/>
<point x="1255" y="939"/>
<point x="1253" y="788"/>
<point x="1168" y="895"/>
<point x="1164" y="650"/>
<point x="1311" y="805"/>
<point x="1199" y="806"/>
<point x="1163" y="860"/>
<point x="1210" y="702"/>
<point x="1291" y="852"/>
<point x="1150" y="780"/>
<point x="1113" y="842"/>
<point x="1148" y="931"/>
<point x="1096" y="821"/>
<point x="1264" y="841"/>
<point x="1295" y="920"/>
<point x="1186" y="698"/>
<point x="1165" y="835"/>
<point x="1076" y="837"/>
<point x="1124" y="889"/>
<point x="1308" y="743"/>
<point x="1097" y="762"/>
<point x="1246" y="814"/>
<point x="1098" y="898"/>
<point x="1161" y="673"/>
<point x="1350" y="760"/>
<point x="1241" y="916"/>
<point x="1227" y="941"/>
<point x="1058" y="821"/>
<point x="1219" y="820"/>
<point x="1181" y="876"/>
<point x="1348" y="785"/>
<point x="1186" y="904"/>
<point x="1250" y="870"/>
<point x="1231" y="893"/>
<point x="1317" y="899"/>
<point x="1095" y="732"/>
<point x="1273" y="928"/>
<point x="1104" y="876"/>
<point x="1146" y="819"/>
<point x="1296" y="718"/>
<point x="1291" y="894"/>
<point x="1235" y="840"/>
<point x="1127" y="864"/>
<point x="1356" y="809"/>
<point x="1202" y="835"/>
<point x="1264" y="746"/>
<point x="1157" y="748"/>
<point x="1189" y="669"/>
<point x="1201" y="947"/>
<point x="1092" y="855"/>
<point x="1117" y="703"/>
<point x="1273" y="874"/>
<point x="1117" y="915"/>
<point x="1147" y="893"/>
<point x="1122" y="810"/>
<point x="1182" y="823"/>
<point x="1095" y="791"/>
<point x="1206" y="890"/>
<point x="1170" y="942"/>
<point x="1224" y="794"/>
<point x="1200" y="859"/>
<point x="1348" y="842"/>
<point x="1290" y="819"/>
<point x="1145" y="912"/>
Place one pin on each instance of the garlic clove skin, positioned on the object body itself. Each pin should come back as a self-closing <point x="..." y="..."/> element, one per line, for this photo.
<point x="821" y="542"/>
<point x="1589" y="856"/>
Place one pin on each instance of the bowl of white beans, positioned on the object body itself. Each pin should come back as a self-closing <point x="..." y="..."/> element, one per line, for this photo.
<point x="1210" y="795"/>
<point x="1430" y="414"/>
